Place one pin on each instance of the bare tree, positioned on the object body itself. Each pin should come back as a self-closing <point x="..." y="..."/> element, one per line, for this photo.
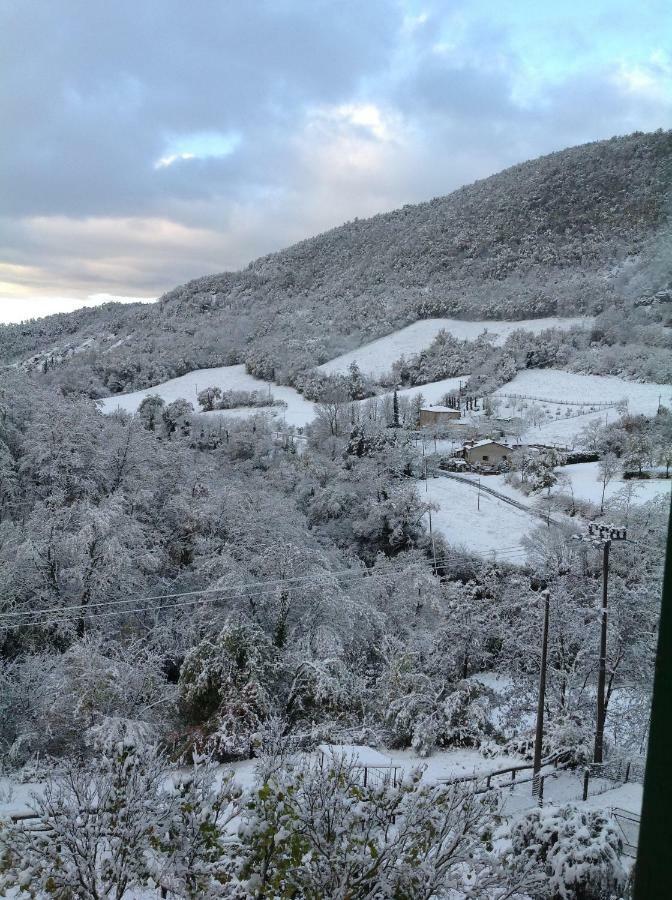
<point x="608" y="467"/>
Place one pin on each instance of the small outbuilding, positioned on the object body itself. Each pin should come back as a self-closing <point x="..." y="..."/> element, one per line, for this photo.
<point x="486" y="453"/>
<point x="437" y="415"/>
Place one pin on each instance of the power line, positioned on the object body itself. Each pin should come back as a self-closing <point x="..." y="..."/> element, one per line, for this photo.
<point x="55" y="616"/>
<point x="260" y="589"/>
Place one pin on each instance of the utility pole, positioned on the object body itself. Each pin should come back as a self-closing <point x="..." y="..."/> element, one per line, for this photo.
<point x="539" y="735"/>
<point x="603" y="535"/>
<point x="598" y="753"/>
<point x="431" y="537"/>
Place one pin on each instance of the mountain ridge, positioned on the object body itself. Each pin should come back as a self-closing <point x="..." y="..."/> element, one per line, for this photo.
<point x="580" y="231"/>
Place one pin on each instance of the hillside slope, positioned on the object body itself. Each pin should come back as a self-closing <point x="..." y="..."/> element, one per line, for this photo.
<point x="578" y="231"/>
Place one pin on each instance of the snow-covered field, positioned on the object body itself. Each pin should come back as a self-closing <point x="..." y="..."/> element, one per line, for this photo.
<point x="15" y="798"/>
<point x="434" y="391"/>
<point x="555" y="385"/>
<point x="376" y="358"/>
<point x="495" y="531"/>
<point x="298" y="412"/>
<point x="584" y="478"/>
<point x="443" y="765"/>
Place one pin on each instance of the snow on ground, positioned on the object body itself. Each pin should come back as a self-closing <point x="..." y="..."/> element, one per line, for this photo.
<point x="584" y="482"/>
<point x="496" y="530"/>
<point x="15" y="796"/>
<point x="433" y="392"/>
<point x="298" y="412"/>
<point x="376" y="358"/>
<point x="584" y="478"/>
<point x="625" y="796"/>
<point x="567" y="432"/>
<point x="555" y="385"/>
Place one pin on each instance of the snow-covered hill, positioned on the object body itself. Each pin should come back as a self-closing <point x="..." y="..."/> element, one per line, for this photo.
<point x="298" y="411"/>
<point x="553" y="384"/>
<point x="581" y="390"/>
<point x="376" y="358"/>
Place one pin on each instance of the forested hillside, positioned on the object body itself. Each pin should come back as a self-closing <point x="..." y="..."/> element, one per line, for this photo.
<point x="582" y="230"/>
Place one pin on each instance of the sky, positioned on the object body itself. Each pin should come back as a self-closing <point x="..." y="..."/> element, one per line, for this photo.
<point x="147" y="143"/>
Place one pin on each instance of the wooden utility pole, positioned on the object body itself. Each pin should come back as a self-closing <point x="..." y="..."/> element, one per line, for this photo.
<point x="539" y="734"/>
<point x="602" y="671"/>
<point x="431" y="537"/>
<point x="603" y="535"/>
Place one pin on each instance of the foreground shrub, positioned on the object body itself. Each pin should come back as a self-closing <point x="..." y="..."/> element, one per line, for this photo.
<point x="574" y="853"/>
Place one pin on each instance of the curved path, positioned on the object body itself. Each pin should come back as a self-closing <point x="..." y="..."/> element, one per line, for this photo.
<point x="547" y="519"/>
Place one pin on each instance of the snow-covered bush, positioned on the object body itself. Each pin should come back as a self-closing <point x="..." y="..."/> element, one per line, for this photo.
<point x="127" y="821"/>
<point x="572" y="853"/>
<point x="95" y="826"/>
<point x="224" y="690"/>
<point x="315" y="831"/>
<point x="424" y="719"/>
<point x="565" y="736"/>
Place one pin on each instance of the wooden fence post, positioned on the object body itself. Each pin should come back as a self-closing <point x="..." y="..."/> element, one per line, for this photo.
<point x="586" y="778"/>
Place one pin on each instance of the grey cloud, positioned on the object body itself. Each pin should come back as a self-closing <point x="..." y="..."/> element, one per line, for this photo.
<point x="95" y="89"/>
<point x="94" y="92"/>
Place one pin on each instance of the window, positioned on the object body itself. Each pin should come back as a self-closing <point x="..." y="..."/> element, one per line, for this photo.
<point x="485" y="457"/>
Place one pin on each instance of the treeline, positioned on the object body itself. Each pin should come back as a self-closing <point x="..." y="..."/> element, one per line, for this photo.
<point x="198" y="582"/>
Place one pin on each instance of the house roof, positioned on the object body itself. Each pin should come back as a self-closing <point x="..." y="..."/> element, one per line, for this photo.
<point x="486" y="444"/>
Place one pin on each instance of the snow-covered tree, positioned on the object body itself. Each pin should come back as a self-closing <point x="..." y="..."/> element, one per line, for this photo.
<point x="576" y="853"/>
<point x="316" y="831"/>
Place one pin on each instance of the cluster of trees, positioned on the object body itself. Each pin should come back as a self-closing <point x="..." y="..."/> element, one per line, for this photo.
<point x="200" y="582"/>
<point x="305" y="830"/>
<point x="316" y="385"/>
<point x="212" y="398"/>
<point x="638" y="443"/>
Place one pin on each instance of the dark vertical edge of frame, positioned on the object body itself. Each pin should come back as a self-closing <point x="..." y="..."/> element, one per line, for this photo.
<point x="653" y="878"/>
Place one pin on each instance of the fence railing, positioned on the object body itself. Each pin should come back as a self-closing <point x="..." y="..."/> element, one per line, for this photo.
<point x="628" y="824"/>
<point x="597" y="404"/>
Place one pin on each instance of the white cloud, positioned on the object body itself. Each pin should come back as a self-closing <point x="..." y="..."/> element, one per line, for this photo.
<point x="20" y="309"/>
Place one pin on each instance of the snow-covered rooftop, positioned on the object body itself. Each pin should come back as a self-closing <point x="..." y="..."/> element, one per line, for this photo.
<point x="486" y="443"/>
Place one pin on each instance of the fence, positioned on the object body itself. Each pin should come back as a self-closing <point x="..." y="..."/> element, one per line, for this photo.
<point x="619" y="770"/>
<point x="628" y="824"/>
<point x="597" y="404"/>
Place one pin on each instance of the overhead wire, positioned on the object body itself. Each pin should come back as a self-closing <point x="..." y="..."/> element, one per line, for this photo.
<point x="113" y="608"/>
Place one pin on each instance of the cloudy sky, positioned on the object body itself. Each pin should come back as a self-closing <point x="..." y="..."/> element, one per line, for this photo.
<point x="146" y="142"/>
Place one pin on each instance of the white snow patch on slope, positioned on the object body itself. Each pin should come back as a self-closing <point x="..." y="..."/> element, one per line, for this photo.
<point x="298" y="412"/>
<point x="376" y="358"/>
<point x="434" y="391"/>
<point x="494" y="531"/>
<point x="555" y="385"/>
<point x="584" y="478"/>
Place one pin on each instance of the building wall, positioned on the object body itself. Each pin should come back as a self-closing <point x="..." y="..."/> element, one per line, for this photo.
<point x="489" y="456"/>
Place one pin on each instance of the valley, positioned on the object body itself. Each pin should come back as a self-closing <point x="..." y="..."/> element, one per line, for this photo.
<point x="346" y="500"/>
